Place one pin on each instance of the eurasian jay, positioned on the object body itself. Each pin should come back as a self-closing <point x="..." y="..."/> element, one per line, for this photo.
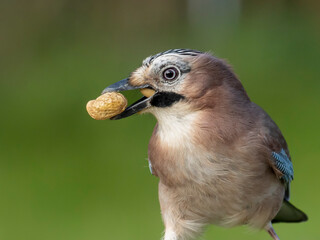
<point x="220" y="158"/>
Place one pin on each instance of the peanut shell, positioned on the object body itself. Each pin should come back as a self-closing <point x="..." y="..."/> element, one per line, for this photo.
<point x="107" y="106"/>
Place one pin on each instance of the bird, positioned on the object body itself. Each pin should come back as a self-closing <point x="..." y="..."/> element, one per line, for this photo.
<point x="219" y="157"/>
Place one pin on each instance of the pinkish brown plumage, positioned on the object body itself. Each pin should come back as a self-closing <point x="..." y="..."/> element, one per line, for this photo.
<point x="219" y="157"/>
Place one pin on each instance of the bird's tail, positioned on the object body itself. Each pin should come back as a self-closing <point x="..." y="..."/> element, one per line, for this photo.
<point x="289" y="213"/>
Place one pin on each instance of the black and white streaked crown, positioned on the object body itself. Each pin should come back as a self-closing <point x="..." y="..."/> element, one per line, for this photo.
<point x="179" y="51"/>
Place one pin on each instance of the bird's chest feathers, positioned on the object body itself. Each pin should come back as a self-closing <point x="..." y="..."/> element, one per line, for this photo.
<point x="173" y="152"/>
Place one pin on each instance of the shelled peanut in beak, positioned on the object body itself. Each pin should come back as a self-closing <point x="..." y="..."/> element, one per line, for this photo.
<point x="147" y="92"/>
<point x="107" y="106"/>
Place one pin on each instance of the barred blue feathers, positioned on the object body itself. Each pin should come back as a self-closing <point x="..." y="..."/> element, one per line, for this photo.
<point x="284" y="165"/>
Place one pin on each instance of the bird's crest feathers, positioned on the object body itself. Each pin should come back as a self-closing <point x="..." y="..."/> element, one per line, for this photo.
<point x="179" y="51"/>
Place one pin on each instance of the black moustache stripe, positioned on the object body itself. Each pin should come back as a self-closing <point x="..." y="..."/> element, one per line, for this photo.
<point x="165" y="99"/>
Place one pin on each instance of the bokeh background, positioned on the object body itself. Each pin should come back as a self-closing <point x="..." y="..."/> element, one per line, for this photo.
<point x="66" y="176"/>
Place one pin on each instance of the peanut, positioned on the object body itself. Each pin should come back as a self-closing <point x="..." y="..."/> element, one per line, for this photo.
<point x="147" y="92"/>
<point x="107" y="106"/>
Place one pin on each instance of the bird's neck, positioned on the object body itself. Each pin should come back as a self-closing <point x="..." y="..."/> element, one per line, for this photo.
<point x="176" y="124"/>
<point x="172" y="149"/>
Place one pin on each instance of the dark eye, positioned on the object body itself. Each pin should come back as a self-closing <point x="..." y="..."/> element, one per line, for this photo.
<point x="170" y="74"/>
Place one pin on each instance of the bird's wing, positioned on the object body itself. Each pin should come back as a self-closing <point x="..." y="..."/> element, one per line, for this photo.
<point x="277" y="148"/>
<point x="280" y="162"/>
<point x="283" y="168"/>
<point x="279" y="158"/>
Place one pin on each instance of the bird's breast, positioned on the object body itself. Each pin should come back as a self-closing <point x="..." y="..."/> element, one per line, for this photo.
<point x="176" y="155"/>
<point x="172" y="150"/>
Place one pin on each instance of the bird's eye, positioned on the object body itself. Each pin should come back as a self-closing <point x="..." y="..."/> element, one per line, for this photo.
<point x="170" y="74"/>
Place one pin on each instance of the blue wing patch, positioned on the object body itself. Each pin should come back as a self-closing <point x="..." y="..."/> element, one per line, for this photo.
<point x="284" y="165"/>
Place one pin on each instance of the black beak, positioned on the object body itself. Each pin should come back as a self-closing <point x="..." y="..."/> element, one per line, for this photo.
<point x="139" y="105"/>
<point x="122" y="85"/>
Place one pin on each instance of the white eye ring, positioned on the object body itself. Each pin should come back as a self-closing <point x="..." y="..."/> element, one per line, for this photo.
<point x="170" y="74"/>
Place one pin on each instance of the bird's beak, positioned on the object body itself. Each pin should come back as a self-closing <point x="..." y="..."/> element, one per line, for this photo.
<point x="137" y="106"/>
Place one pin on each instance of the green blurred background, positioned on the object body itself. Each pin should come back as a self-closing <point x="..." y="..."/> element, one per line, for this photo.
<point x="66" y="176"/>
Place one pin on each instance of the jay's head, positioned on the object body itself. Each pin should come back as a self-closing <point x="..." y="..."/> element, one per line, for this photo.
<point x="179" y="81"/>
